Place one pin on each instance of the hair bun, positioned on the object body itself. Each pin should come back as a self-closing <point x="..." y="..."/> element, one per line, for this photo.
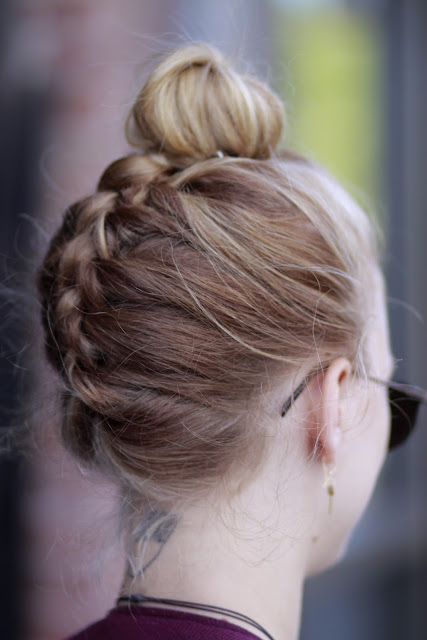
<point x="195" y="104"/>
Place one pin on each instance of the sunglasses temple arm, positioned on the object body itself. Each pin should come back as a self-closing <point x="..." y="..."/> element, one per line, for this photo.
<point x="408" y="389"/>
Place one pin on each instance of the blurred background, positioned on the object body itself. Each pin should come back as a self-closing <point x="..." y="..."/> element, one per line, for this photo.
<point x="353" y="76"/>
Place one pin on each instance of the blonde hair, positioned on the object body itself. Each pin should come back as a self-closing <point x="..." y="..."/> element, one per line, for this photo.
<point x="203" y="261"/>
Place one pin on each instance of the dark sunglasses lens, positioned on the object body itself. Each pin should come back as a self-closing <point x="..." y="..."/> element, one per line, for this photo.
<point x="404" y="410"/>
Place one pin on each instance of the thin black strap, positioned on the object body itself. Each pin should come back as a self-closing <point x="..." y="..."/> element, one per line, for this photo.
<point x="138" y="598"/>
<point x="298" y="391"/>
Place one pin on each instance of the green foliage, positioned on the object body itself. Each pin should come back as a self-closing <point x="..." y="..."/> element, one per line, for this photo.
<point x="334" y="89"/>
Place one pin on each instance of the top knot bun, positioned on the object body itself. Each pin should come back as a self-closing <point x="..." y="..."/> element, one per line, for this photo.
<point x="195" y="105"/>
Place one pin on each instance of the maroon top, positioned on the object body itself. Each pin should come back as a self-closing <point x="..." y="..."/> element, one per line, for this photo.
<point x="143" y="623"/>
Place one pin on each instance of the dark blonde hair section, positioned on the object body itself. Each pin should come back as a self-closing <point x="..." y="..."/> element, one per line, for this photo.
<point x="202" y="262"/>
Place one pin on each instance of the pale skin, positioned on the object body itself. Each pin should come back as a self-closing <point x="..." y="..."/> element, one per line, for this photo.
<point x="252" y="552"/>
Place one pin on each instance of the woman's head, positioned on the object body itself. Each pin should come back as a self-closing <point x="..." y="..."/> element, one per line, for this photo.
<point x="206" y="264"/>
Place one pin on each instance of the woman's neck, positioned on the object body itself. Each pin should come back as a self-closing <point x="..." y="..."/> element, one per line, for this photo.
<point x="246" y="565"/>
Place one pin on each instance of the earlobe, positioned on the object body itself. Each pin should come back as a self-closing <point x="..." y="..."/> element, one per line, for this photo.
<point x="326" y="395"/>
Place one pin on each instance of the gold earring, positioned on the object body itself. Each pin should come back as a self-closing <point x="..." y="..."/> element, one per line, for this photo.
<point x="329" y="482"/>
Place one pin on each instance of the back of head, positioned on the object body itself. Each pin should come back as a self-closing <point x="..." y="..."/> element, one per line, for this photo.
<point x="204" y="262"/>
<point x="194" y="104"/>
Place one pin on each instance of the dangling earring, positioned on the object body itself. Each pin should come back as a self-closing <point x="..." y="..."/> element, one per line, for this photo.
<point x="329" y="482"/>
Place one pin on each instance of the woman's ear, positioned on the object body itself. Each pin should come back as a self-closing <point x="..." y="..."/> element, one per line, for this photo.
<point x="325" y="394"/>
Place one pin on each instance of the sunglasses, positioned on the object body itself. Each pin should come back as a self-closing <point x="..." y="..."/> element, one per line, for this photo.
<point x="404" y="399"/>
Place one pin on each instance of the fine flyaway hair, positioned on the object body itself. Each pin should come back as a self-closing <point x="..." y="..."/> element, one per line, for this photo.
<point x="207" y="260"/>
